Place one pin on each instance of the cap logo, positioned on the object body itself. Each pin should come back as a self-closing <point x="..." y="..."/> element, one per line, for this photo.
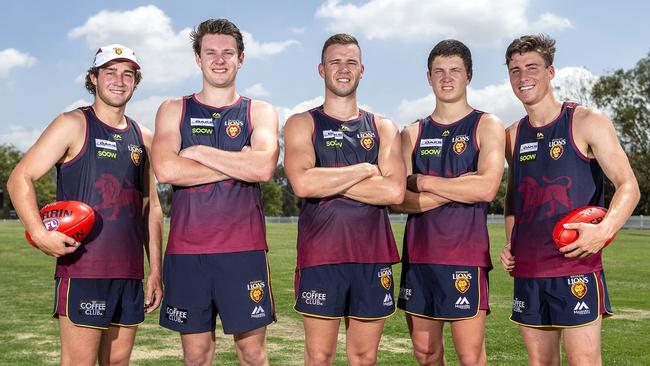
<point x="118" y="51"/>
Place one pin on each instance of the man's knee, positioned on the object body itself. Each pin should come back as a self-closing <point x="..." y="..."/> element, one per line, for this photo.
<point x="368" y="357"/>
<point x="429" y="356"/>
<point x="198" y="353"/>
<point x="319" y="357"/>
<point x="472" y="358"/>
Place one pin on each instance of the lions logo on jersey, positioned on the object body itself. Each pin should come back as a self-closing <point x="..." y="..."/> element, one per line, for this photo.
<point x="256" y="290"/>
<point x="462" y="284"/>
<point x="233" y="128"/>
<point x="459" y="143"/>
<point x="579" y="289"/>
<point x="367" y="139"/>
<point x="136" y="154"/>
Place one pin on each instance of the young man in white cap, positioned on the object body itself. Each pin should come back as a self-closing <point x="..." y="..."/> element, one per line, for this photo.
<point x="101" y="157"/>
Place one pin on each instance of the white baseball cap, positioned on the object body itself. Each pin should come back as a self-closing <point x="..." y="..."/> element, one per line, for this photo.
<point x="115" y="52"/>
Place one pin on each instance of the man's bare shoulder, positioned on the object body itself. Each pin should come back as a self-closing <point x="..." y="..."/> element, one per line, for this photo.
<point x="300" y="119"/>
<point x="586" y="118"/>
<point x="72" y="121"/>
<point x="491" y="120"/>
<point x="385" y="123"/>
<point x="512" y="129"/>
<point x="171" y="105"/>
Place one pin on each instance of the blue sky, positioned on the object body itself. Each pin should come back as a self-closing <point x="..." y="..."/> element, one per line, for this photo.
<point x="46" y="47"/>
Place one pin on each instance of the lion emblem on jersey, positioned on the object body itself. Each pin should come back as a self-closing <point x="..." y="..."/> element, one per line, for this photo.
<point x="233" y="130"/>
<point x="556" y="151"/>
<point x="534" y="196"/>
<point x="459" y="147"/>
<point x="579" y="289"/>
<point x="367" y="142"/>
<point x="115" y="198"/>
<point x="462" y="284"/>
<point x="257" y="293"/>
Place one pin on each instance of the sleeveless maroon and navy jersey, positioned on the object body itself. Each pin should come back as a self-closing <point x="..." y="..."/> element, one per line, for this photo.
<point x="455" y="233"/>
<point x="337" y="229"/>
<point x="109" y="175"/>
<point x="220" y="217"/>
<point x="551" y="178"/>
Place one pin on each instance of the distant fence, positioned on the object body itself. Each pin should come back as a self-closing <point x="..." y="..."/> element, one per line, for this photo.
<point x="634" y="222"/>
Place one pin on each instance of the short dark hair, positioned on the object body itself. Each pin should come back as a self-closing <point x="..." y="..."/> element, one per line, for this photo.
<point x="452" y="47"/>
<point x="540" y="43"/>
<point x="95" y="71"/>
<point x="340" y="38"/>
<point x="216" y="26"/>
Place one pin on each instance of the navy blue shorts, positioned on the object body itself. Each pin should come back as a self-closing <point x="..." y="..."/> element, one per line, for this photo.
<point x="98" y="302"/>
<point x="568" y="301"/>
<point x="355" y="290"/>
<point x="198" y="287"/>
<point x="443" y="292"/>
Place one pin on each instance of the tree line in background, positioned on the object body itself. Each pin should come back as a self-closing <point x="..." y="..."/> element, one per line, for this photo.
<point x="623" y="94"/>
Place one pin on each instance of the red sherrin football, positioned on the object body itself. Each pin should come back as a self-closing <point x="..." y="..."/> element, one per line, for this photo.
<point x="72" y="218"/>
<point x="586" y="214"/>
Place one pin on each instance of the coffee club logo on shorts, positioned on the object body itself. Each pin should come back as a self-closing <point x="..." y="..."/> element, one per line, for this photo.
<point x="176" y="315"/>
<point x="256" y="290"/>
<point x="106" y="149"/>
<point x="518" y="306"/>
<point x="202" y="126"/>
<point x="367" y="139"/>
<point x="136" y="154"/>
<point x="233" y="127"/>
<point x="556" y="148"/>
<point x="92" y="308"/>
<point x="405" y="293"/>
<point x="459" y="143"/>
<point x="314" y="297"/>
<point x="385" y="275"/>
<point x="461" y="281"/>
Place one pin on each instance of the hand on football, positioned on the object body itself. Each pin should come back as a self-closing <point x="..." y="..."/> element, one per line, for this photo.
<point x="54" y="243"/>
<point x="591" y="240"/>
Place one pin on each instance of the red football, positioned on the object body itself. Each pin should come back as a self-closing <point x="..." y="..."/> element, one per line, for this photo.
<point x="72" y="218"/>
<point x="587" y="214"/>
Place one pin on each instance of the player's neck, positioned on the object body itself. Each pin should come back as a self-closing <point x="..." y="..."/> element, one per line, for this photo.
<point x="112" y="116"/>
<point x="341" y="108"/>
<point x="543" y="112"/>
<point x="217" y="97"/>
<point x="447" y="113"/>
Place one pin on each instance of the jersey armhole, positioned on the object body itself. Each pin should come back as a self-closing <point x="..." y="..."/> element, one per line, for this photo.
<point x="249" y="107"/>
<point x="180" y="122"/>
<point x="573" y="143"/>
<point x="475" y="132"/>
<point x="85" y="145"/>
<point x="417" y="138"/>
<point x="374" y="125"/>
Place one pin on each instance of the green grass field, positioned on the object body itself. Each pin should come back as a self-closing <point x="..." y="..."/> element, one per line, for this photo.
<point x="29" y="337"/>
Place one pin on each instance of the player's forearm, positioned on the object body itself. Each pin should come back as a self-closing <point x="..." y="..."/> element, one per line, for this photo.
<point x="623" y="202"/>
<point x="248" y="165"/>
<point x="185" y="172"/>
<point x="23" y="197"/>
<point x="465" y="189"/>
<point x="509" y="225"/>
<point x="324" y="182"/>
<point x="415" y="202"/>
<point x="378" y="190"/>
<point x="153" y="246"/>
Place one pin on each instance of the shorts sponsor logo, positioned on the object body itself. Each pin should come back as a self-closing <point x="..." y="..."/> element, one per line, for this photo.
<point x="256" y="290"/>
<point x="367" y="139"/>
<point x="258" y="312"/>
<point x="461" y="281"/>
<point x="105" y="144"/>
<point x="201" y="122"/>
<point x="92" y="308"/>
<point x="556" y="148"/>
<point x="459" y="143"/>
<point x="51" y="224"/>
<point x="462" y="303"/>
<point x="176" y="315"/>
<point x="329" y="134"/>
<point x="314" y="297"/>
<point x="529" y="147"/>
<point x="518" y="306"/>
<point x="388" y="300"/>
<point x="385" y="277"/>
<point x="136" y="154"/>
<point x="405" y="293"/>
<point x="431" y="142"/>
<point x="581" y="308"/>
<point x="233" y="127"/>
